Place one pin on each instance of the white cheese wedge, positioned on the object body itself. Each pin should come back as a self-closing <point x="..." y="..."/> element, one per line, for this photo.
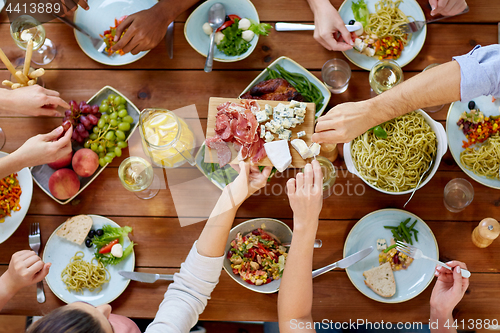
<point x="381" y="244"/>
<point x="279" y="154"/>
<point x="315" y="148"/>
<point x="301" y="147"/>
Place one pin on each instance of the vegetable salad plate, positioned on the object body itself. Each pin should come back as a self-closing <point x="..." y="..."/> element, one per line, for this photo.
<point x="59" y="252"/>
<point x="456" y="136"/>
<point x="99" y="18"/>
<point x="11" y="223"/>
<point x="200" y="41"/>
<point x="410" y="282"/>
<point x="411" y="50"/>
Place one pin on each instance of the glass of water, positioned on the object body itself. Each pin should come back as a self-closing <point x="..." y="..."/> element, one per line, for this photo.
<point x="336" y="74"/>
<point x="458" y="194"/>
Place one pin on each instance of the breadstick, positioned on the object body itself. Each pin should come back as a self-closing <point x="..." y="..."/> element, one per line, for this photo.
<point x="24" y="79"/>
<point x="9" y="65"/>
<point x="27" y="59"/>
<point x="16" y="85"/>
<point x="7" y="83"/>
<point x="31" y="82"/>
<point x="36" y="73"/>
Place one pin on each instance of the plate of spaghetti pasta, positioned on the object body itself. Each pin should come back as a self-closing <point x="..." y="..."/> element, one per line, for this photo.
<point x="77" y="276"/>
<point x="473" y="131"/>
<point x="15" y="198"/>
<point x="381" y="37"/>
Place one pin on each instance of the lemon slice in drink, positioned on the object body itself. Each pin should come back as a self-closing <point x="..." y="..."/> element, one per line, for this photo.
<point x="168" y="125"/>
<point x="158" y="120"/>
<point x="152" y="138"/>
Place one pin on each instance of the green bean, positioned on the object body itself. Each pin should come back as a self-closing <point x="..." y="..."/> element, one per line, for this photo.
<point x="411" y="227"/>
<point x="389" y="227"/>
<point x="405" y="222"/>
<point x="390" y="248"/>
<point x="415" y="234"/>
<point x="405" y="231"/>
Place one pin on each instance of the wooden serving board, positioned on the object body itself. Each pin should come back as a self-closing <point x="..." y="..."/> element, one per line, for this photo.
<point x="307" y="126"/>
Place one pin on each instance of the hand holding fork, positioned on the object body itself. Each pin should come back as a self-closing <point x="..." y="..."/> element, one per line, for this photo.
<point x="35" y="243"/>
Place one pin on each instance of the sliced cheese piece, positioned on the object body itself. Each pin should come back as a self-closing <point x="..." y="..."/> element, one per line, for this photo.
<point x="301" y="147"/>
<point x="279" y="154"/>
<point x="315" y="148"/>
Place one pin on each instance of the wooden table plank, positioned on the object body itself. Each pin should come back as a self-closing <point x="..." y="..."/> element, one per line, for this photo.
<point x="443" y="42"/>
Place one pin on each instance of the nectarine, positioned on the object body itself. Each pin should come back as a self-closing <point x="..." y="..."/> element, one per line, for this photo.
<point x="64" y="183"/>
<point x="85" y="162"/>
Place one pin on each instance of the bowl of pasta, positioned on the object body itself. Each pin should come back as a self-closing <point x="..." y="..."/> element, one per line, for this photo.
<point x="394" y="164"/>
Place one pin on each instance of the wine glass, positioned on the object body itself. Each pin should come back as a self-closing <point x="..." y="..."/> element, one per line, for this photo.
<point x="137" y="175"/>
<point x="2" y="138"/>
<point x="26" y="27"/>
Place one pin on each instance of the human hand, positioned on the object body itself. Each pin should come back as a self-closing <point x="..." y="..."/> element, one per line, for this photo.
<point x="449" y="289"/>
<point x="25" y="268"/>
<point x="35" y="101"/>
<point x="447" y="7"/>
<point x="305" y="193"/>
<point x="145" y="29"/>
<point x="44" y="148"/>
<point x="344" y="123"/>
<point x="328" y="23"/>
<point x="249" y="181"/>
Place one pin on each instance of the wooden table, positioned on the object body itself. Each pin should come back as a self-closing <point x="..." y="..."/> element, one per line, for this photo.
<point x="156" y="81"/>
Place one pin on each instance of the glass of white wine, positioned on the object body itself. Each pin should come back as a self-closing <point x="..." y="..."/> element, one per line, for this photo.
<point x="137" y="175"/>
<point x="385" y="75"/>
<point x="26" y="27"/>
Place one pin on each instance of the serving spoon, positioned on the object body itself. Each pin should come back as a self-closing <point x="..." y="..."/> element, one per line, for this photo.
<point x="216" y="17"/>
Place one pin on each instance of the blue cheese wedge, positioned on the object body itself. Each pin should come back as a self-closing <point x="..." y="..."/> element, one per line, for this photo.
<point x="261" y="116"/>
<point x="301" y="134"/>
<point x="262" y="131"/>
<point x="300" y="119"/>
<point x="287" y="123"/>
<point x="280" y="108"/>
<point x="381" y="244"/>
<point x="285" y="135"/>
<point x="268" y="109"/>
<point x="288" y="113"/>
<point x="293" y="104"/>
<point x="279" y="154"/>
<point x="301" y="147"/>
<point x="300" y="112"/>
<point x="295" y="122"/>
<point x="268" y="137"/>
<point x="302" y="105"/>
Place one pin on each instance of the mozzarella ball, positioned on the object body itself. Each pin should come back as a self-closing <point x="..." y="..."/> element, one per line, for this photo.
<point x="358" y="32"/>
<point x="207" y="28"/>
<point x="244" y="24"/>
<point x="247" y="35"/>
<point x="218" y="37"/>
<point x="117" y="250"/>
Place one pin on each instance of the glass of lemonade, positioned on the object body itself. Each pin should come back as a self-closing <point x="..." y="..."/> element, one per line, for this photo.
<point x="137" y="175"/>
<point x="384" y="75"/>
<point x="166" y="139"/>
<point x="26" y="27"/>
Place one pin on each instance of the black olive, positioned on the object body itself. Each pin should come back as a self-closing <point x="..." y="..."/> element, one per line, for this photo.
<point x="91" y="234"/>
<point x="99" y="232"/>
<point x="88" y="242"/>
<point x="472" y="105"/>
<point x="351" y="22"/>
<point x="227" y="18"/>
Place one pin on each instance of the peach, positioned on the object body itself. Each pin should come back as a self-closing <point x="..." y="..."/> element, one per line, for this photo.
<point x="64" y="183"/>
<point x="85" y="162"/>
<point x="62" y="162"/>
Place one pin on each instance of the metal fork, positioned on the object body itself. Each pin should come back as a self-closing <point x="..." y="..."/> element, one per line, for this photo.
<point x="418" y="184"/>
<point x="35" y="242"/>
<point x="408" y="28"/>
<point x="416" y="253"/>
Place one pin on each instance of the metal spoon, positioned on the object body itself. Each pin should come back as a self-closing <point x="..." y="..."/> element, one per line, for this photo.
<point x="421" y="177"/>
<point x="216" y="17"/>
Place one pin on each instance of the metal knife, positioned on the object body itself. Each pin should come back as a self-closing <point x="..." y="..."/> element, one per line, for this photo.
<point x="344" y="263"/>
<point x="146" y="277"/>
<point x="169" y="40"/>
<point x="283" y="26"/>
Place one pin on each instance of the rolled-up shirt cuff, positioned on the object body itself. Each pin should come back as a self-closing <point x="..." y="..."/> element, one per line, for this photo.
<point x="478" y="74"/>
<point x="204" y="268"/>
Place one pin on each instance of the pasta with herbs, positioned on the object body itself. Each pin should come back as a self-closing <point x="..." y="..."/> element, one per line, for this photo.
<point x="483" y="160"/>
<point x="396" y="164"/>
<point x="387" y="19"/>
<point x="80" y="274"/>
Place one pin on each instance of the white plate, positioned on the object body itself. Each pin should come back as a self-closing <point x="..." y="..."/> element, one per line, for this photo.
<point x="410" y="8"/>
<point x="59" y="251"/>
<point x="456" y="136"/>
<point x="410" y="282"/>
<point x="12" y="222"/>
<point x="99" y="18"/>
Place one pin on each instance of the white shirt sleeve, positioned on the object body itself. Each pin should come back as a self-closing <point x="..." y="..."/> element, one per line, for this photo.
<point x="187" y="296"/>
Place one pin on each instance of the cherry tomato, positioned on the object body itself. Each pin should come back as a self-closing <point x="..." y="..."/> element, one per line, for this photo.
<point x="107" y="248"/>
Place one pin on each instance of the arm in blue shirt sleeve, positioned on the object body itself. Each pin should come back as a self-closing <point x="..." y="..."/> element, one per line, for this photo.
<point x="480" y="72"/>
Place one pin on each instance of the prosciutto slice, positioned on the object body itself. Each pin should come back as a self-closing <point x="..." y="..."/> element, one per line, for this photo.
<point x="236" y="123"/>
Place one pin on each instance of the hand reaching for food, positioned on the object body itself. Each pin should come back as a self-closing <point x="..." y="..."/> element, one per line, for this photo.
<point x="305" y="193"/>
<point x="32" y="101"/>
<point x="449" y="289"/>
<point x="44" y="148"/>
<point x="25" y="268"/>
<point x="328" y="23"/>
<point x="249" y="181"/>
<point x="447" y="7"/>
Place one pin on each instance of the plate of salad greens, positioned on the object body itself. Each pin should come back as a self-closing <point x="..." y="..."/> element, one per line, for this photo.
<point x="361" y="10"/>
<point x="306" y="83"/>
<point x="235" y="39"/>
<point x="60" y="252"/>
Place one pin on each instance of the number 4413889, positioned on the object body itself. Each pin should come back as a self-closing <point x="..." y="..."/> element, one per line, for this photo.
<point x="471" y="324"/>
<point x="34" y="8"/>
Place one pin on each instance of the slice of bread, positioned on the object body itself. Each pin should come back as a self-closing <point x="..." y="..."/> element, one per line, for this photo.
<point x="381" y="280"/>
<point x="75" y="229"/>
